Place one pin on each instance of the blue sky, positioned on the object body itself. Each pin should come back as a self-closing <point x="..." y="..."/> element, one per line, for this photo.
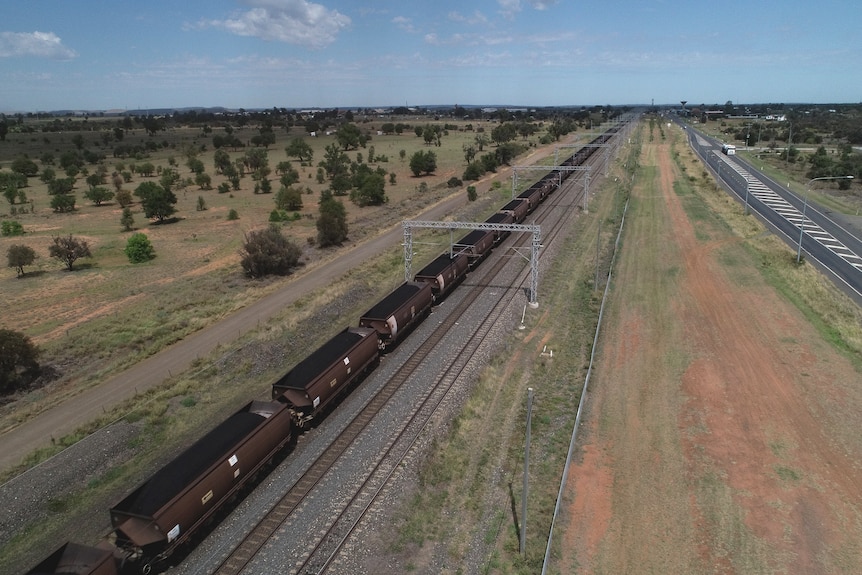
<point x="115" y="54"/>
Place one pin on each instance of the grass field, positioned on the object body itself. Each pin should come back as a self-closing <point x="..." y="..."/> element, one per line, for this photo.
<point x="108" y="313"/>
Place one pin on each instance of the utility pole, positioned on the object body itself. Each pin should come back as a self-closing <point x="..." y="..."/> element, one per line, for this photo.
<point x="526" y="473"/>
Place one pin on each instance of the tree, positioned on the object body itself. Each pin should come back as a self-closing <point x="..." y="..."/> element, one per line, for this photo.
<point x="268" y="252"/>
<point x="821" y="164"/>
<point x="423" y="162"/>
<point x="203" y="181"/>
<point x="289" y="175"/>
<point x="95" y="179"/>
<point x="474" y="171"/>
<point x="11" y="194"/>
<point x="157" y="201"/>
<point x="481" y="141"/>
<point x="61" y="186"/>
<point x="24" y="165"/>
<point x="504" y="133"/>
<point x="139" y="249"/>
<point x="20" y="256"/>
<point x="98" y="195"/>
<point x="469" y="152"/>
<point x="255" y="159"/>
<point x="69" y="249"/>
<point x="288" y="198"/>
<point x="471" y="193"/>
<point x="18" y="365"/>
<point x="431" y="134"/>
<point x="146" y="169"/>
<point x="124" y="198"/>
<point x="332" y="221"/>
<point x="265" y="138"/>
<point x="335" y="162"/>
<point x="349" y="136"/>
<point x="196" y="165"/>
<point x="127" y="220"/>
<point x="369" y="189"/>
<point x="168" y="178"/>
<point x="117" y="181"/>
<point x="4" y="129"/>
<point x="489" y="162"/>
<point x="221" y="160"/>
<point x="153" y="125"/>
<point x="507" y="152"/>
<point x="62" y="203"/>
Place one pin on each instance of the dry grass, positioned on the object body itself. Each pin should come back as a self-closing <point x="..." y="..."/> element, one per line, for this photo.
<point x="109" y="314"/>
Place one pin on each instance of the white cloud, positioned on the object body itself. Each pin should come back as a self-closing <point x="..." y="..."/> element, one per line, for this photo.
<point x="508" y="8"/>
<point x="542" y="4"/>
<point x="42" y="44"/>
<point x="292" y="21"/>
<point x="404" y="23"/>
<point x="476" y="19"/>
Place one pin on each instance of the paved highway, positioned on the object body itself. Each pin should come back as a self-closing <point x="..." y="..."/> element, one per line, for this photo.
<point x="832" y="247"/>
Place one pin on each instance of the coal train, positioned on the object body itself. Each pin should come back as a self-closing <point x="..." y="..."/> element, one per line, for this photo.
<point x="164" y="512"/>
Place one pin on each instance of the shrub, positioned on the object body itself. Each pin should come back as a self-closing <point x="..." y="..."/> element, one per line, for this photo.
<point x="127" y="220"/>
<point x="18" y="366"/>
<point x="474" y="171"/>
<point x="124" y="198"/>
<point x="12" y="228"/>
<point x="471" y="193"/>
<point x="139" y="249"/>
<point x="332" y="222"/>
<point x="232" y="215"/>
<point x="63" y="203"/>
<point x="268" y="252"/>
<point x="20" y="256"/>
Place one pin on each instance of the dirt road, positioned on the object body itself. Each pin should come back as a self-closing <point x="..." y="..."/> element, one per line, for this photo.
<point x="722" y="434"/>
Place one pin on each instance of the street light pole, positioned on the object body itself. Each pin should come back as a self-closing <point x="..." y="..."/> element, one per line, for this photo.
<point x="805" y="206"/>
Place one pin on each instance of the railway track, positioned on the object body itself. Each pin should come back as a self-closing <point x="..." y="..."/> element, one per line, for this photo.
<point x="326" y="552"/>
<point x="330" y="543"/>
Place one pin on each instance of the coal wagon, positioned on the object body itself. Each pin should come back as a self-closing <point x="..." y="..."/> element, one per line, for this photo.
<point x="444" y="273"/>
<point x="518" y="207"/>
<point x="176" y="500"/>
<point x="394" y="316"/>
<point x="477" y="245"/>
<point x="329" y="371"/>
<point x="500" y="218"/>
